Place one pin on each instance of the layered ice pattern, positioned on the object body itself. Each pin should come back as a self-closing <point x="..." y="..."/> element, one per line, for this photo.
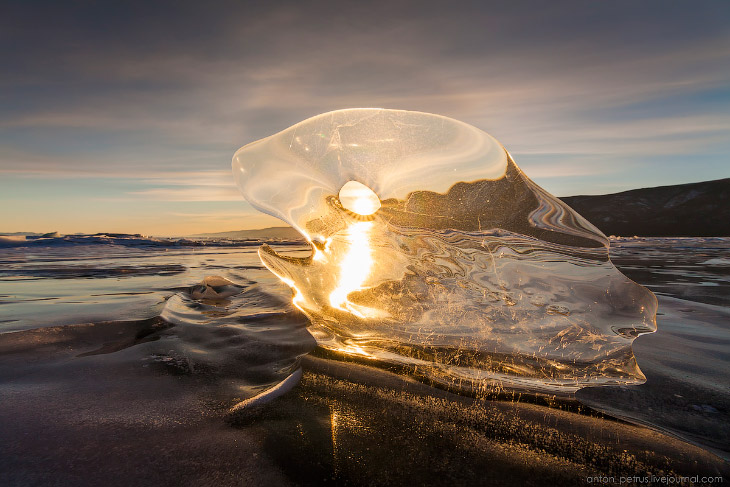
<point x="432" y="249"/>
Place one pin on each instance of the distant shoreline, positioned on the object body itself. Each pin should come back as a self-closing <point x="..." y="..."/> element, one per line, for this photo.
<point x="681" y="210"/>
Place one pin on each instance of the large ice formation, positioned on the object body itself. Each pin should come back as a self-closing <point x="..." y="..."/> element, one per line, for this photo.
<point x="432" y="249"/>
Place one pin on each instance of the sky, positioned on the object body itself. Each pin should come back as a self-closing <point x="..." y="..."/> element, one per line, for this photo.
<point x="124" y="116"/>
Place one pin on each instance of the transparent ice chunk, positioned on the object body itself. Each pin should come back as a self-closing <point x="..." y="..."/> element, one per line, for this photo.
<point x="432" y="249"/>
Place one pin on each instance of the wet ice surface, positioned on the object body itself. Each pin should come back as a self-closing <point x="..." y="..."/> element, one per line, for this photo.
<point x="687" y="362"/>
<point x="67" y="284"/>
<point x="693" y="269"/>
<point x="213" y="311"/>
<point x="246" y="336"/>
<point x="458" y="265"/>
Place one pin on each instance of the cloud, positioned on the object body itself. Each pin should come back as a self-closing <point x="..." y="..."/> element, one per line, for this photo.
<point x="192" y="193"/>
<point x="155" y="103"/>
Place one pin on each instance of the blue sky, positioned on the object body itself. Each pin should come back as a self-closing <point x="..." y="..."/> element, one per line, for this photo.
<point x="123" y="117"/>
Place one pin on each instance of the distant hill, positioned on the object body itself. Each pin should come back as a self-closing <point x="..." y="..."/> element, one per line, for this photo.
<point x="682" y="210"/>
<point x="263" y="233"/>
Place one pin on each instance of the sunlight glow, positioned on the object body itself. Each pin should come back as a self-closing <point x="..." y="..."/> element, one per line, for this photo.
<point x="354" y="268"/>
<point x="359" y="199"/>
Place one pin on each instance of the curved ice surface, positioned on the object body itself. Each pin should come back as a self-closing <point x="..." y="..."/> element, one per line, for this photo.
<point x="461" y="266"/>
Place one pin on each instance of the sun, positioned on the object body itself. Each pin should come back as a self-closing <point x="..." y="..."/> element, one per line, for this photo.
<point x="359" y="199"/>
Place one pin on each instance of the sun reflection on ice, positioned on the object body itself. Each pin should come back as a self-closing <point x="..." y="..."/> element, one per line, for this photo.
<point x="356" y="265"/>
<point x="355" y="268"/>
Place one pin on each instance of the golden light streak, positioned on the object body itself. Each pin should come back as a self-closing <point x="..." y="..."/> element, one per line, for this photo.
<point x="298" y="298"/>
<point x="355" y="267"/>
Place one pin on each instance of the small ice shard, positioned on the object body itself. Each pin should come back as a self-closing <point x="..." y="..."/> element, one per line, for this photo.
<point x="431" y="248"/>
<point x="272" y="393"/>
<point x="215" y="288"/>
